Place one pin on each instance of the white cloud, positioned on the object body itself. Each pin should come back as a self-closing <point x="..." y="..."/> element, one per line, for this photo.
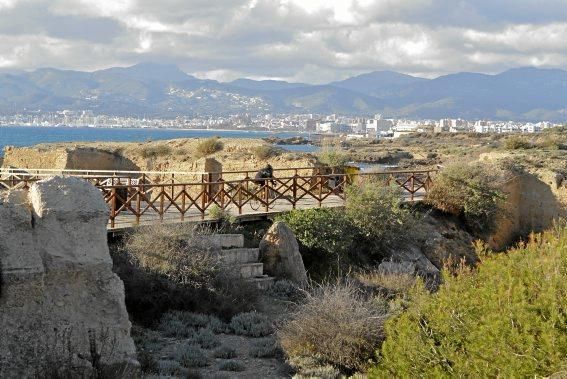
<point x="303" y="40"/>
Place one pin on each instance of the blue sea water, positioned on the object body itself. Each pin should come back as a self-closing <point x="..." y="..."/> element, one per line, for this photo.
<point x="32" y="135"/>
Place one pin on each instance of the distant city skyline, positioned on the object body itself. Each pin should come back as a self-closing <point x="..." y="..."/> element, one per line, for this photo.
<point x="310" y="41"/>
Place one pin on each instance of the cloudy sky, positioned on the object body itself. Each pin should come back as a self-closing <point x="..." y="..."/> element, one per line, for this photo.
<point x="300" y="40"/>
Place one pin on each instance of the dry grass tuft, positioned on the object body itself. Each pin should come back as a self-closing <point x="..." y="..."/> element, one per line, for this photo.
<point x="338" y="325"/>
<point x="208" y="146"/>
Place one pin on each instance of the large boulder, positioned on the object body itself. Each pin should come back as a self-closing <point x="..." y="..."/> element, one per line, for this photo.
<point x="279" y="252"/>
<point x="61" y="306"/>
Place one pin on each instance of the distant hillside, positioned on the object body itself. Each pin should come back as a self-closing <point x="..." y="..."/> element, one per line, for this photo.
<point x="164" y="90"/>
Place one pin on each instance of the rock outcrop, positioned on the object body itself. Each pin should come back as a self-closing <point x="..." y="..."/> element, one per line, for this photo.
<point x="61" y="306"/>
<point x="67" y="158"/>
<point x="279" y="252"/>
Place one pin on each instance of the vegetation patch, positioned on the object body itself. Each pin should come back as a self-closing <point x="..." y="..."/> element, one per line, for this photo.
<point x="153" y="151"/>
<point x="338" y="325"/>
<point x="332" y="153"/>
<point x="232" y="365"/>
<point x="192" y="356"/>
<point x="286" y="290"/>
<point x="205" y="338"/>
<point x="225" y="352"/>
<point x="208" y="146"/>
<point x="166" y="267"/>
<point x="264" y="152"/>
<point x="251" y="324"/>
<point x="264" y="348"/>
<point x="332" y="240"/>
<point x="507" y="318"/>
<point x="470" y="191"/>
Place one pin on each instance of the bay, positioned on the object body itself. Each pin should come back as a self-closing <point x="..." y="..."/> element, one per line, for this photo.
<point x="33" y="135"/>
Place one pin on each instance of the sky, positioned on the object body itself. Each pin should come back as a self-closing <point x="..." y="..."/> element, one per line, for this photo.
<point x="312" y="41"/>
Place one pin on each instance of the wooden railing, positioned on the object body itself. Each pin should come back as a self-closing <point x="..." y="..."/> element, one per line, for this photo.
<point x="136" y="197"/>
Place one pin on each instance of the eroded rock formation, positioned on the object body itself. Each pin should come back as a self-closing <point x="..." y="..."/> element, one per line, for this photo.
<point x="279" y="252"/>
<point x="61" y="305"/>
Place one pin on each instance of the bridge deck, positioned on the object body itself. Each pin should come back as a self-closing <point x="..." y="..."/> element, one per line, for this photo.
<point x="124" y="222"/>
<point x="143" y="198"/>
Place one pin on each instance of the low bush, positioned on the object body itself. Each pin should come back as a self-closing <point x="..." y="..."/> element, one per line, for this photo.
<point x="169" y="367"/>
<point x="170" y="250"/>
<point x="390" y="285"/>
<point x="329" y="243"/>
<point x="205" y="338"/>
<point x="264" y="348"/>
<point x="507" y="318"/>
<point x="264" y="152"/>
<point x="208" y="146"/>
<point x="470" y="191"/>
<point x="163" y="269"/>
<point x="232" y="365"/>
<point x="376" y="210"/>
<point x="155" y="151"/>
<point x="192" y="356"/>
<point x="223" y="217"/>
<point x="338" y="325"/>
<point x="171" y="325"/>
<point x="332" y="154"/>
<point x="331" y="240"/>
<point x="286" y="290"/>
<point x="251" y="324"/>
<point x="225" y="352"/>
<point x="516" y="143"/>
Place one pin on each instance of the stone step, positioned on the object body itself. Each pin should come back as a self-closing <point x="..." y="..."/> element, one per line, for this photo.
<point x="239" y="255"/>
<point x="263" y="282"/>
<point x="251" y="270"/>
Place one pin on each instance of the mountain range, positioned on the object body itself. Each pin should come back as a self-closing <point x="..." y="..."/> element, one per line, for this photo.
<point x="160" y="90"/>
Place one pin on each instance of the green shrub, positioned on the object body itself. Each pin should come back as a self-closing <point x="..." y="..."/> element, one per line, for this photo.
<point x="208" y="146"/>
<point x="155" y="151"/>
<point x="232" y="365"/>
<point x="224" y="217"/>
<point x="338" y="325"/>
<point x="225" y="352"/>
<point x="328" y="240"/>
<point x="376" y="210"/>
<point x="264" y="348"/>
<point x="264" y="152"/>
<point x="506" y="319"/>
<point x="251" y="324"/>
<point x="470" y="191"/>
<point x="192" y="356"/>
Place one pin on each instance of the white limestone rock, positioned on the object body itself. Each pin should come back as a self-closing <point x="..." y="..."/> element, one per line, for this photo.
<point x="59" y="297"/>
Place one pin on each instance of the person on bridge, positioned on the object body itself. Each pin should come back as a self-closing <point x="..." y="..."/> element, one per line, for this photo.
<point x="264" y="174"/>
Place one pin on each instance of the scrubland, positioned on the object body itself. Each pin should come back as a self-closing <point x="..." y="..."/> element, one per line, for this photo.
<point x="478" y="313"/>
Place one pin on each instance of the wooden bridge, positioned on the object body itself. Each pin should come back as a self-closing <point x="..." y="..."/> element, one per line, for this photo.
<point x="138" y="198"/>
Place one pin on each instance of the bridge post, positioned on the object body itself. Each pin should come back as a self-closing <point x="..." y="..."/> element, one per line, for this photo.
<point x="112" y="207"/>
